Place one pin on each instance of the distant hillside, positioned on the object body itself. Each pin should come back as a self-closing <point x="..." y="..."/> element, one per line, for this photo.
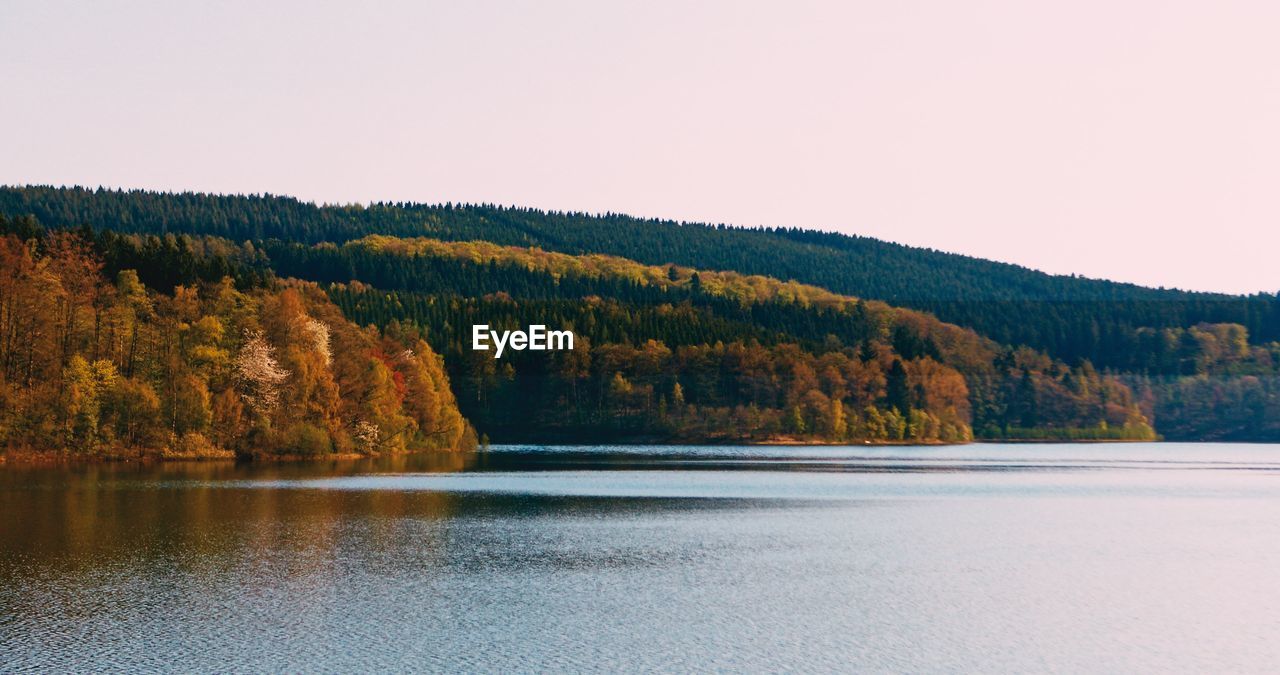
<point x="1071" y="318"/>
<point x="662" y="352"/>
<point x="1205" y="382"/>
<point x="693" y="354"/>
<point x="678" y="353"/>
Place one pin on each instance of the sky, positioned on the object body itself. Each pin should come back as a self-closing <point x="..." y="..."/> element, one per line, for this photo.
<point x="1136" y="140"/>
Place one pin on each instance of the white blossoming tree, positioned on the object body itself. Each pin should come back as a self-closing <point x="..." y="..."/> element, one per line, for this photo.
<point x="318" y="333"/>
<point x="259" y="374"/>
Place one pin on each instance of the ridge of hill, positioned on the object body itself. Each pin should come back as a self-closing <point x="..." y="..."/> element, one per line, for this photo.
<point x="660" y="354"/>
<point x="1072" y="318"/>
<point x="806" y="352"/>
<point x="1198" y="366"/>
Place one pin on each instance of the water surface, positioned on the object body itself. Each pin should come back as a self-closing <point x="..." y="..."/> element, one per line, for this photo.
<point x="528" y="558"/>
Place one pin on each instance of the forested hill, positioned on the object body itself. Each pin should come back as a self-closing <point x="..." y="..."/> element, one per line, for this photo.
<point x="844" y="263"/>
<point x="660" y="352"/>
<point x="678" y="353"/>
<point x="1070" y="317"/>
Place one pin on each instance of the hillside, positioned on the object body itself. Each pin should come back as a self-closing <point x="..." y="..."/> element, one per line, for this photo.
<point x="662" y="354"/>
<point x="1098" y="357"/>
<point x="799" y="358"/>
<point x="1071" y="318"/>
<point x="95" y="364"/>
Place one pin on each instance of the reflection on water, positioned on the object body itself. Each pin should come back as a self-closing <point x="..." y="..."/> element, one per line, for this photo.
<point x="1038" y="557"/>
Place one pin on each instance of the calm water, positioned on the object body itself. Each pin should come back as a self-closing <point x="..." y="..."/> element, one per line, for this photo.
<point x="1113" y="558"/>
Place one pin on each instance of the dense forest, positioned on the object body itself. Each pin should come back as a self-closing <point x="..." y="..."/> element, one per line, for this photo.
<point x="96" y="361"/>
<point x="667" y="353"/>
<point x="1071" y="318"/>
<point x="673" y="350"/>
<point x="680" y="353"/>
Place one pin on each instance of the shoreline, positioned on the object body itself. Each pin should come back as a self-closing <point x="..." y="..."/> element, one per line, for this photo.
<point x="28" y="458"/>
<point x="54" y="458"/>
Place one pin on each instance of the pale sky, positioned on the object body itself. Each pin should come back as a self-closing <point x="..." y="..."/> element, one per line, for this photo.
<point x="1136" y="140"/>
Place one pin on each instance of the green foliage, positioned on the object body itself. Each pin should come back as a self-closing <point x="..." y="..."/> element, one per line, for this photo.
<point x="1107" y="357"/>
<point x="304" y="439"/>
<point x="1071" y="318"/>
<point x="794" y="337"/>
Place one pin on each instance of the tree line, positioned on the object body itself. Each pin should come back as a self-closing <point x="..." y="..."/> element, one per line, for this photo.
<point x="919" y="379"/>
<point x="1073" y="319"/>
<point x="1206" y="380"/>
<point x="93" y="364"/>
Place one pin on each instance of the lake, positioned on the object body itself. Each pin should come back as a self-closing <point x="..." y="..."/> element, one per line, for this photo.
<point x="1050" y="557"/>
